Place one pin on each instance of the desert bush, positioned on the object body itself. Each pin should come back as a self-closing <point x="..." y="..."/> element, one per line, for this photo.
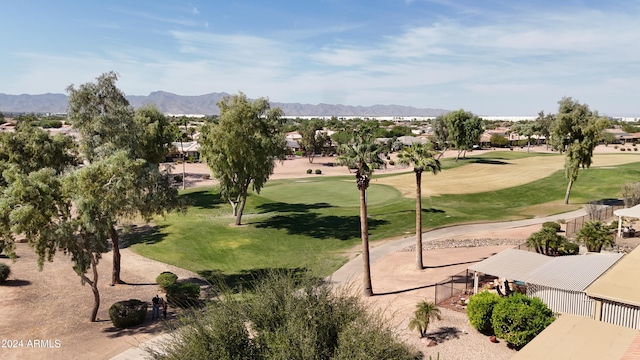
<point x="615" y="147"/>
<point x="183" y="294"/>
<point x="166" y="279"/>
<point x="128" y="313"/>
<point x="206" y="176"/>
<point x="517" y="319"/>
<point x="635" y="148"/>
<point x="391" y="162"/>
<point x="480" y="309"/>
<point x="309" y="171"/>
<point x="623" y="149"/>
<point x="5" y="271"/>
<point x="289" y="318"/>
<point x="552" y="224"/>
<point x="318" y="171"/>
<point x="177" y="178"/>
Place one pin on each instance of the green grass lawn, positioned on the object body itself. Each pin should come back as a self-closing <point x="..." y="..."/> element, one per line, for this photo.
<point x="300" y="224"/>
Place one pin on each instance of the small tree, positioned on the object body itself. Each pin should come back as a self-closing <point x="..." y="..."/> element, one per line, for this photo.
<point x="545" y="241"/>
<point x="518" y="319"/>
<point x="480" y="310"/>
<point x="595" y="235"/>
<point x="425" y="312"/>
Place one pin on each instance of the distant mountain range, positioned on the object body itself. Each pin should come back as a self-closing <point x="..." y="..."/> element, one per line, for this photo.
<point x="170" y="103"/>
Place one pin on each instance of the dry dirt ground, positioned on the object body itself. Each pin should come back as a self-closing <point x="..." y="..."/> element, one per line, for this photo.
<point x="44" y="315"/>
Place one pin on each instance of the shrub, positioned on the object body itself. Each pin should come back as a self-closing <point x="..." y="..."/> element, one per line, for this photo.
<point x="391" y="162"/>
<point x="290" y="316"/>
<point x="4" y="272"/>
<point x="318" y="171"/>
<point x="128" y="313"/>
<point x="183" y="294"/>
<point x="166" y="279"/>
<point x="615" y="147"/>
<point x="622" y="149"/>
<point x="206" y="176"/>
<point x="568" y="248"/>
<point x="552" y="224"/>
<point x="480" y="309"/>
<point x="309" y="171"/>
<point x="518" y="319"/>
<point x="635" y="149"/>
<point x="177" y="178"/>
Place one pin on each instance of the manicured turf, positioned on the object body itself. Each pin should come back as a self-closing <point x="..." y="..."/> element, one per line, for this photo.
<point x="297" y="224"/>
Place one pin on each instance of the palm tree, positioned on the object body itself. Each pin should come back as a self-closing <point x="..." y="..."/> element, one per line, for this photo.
<point x="422" y="158"/>
<point x="595" y="235"/>
<point x="363" y="155"/>
<point x="425" y="312"/>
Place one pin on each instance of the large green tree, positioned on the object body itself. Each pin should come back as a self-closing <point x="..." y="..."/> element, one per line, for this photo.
<point x="313" y="141"/>
<point x="243" y="147"/>
<point x="423" y="159"/>
<point x="108" y="125"/>
<point x="26" y="151"/>
<point x="525" y="128"/>
<point x="464" y="129"/>
<point x="576" y="131"/>
<point x="363" y="155"/>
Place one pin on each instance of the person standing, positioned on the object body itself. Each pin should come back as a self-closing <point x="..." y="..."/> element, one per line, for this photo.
<point x="163" y="302"/>
<point x="155" y="308"/>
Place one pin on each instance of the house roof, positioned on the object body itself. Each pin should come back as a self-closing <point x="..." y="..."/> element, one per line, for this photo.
<point x="187" y="146"/>
<point x="410" y="140"/>
<point x="620" y="283"/>
<point x="578" y="337"/>
<point x="571" y="273"/>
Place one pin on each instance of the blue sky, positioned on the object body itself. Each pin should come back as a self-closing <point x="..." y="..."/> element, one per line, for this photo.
<point x="489" y="57"/>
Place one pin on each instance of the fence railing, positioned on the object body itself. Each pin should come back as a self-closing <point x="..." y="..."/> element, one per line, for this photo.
<point x="458" y="284"/>
<point x="603" y="214"/>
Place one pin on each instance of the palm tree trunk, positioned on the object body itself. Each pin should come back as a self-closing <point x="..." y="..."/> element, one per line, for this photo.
<point x="419" y="264"/>
<point x="115" y="273"/>
<point x="566" y="196"/>
<point x="364" y="234"/>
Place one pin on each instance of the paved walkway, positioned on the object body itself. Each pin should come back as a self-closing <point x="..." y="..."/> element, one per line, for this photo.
<point x="353" y="268"/>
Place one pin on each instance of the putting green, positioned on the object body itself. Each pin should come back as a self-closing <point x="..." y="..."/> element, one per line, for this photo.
<point x="334" y="192"/>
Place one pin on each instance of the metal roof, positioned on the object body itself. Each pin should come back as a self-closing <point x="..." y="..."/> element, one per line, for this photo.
<point x="511" y="263"/>
<point x="572" y="273"/>
<point x="620" y="283"/>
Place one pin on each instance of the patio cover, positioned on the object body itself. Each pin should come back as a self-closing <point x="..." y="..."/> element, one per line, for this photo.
<point x="571" y="273"/>
<point x="511" y="263"/>
<point x="633" y="212"/>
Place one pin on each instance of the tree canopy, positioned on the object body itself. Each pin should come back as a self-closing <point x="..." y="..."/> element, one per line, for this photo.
<point x="464" y="130"/>
<point x="243" y="147"/>
<point x="576" y="131"/>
